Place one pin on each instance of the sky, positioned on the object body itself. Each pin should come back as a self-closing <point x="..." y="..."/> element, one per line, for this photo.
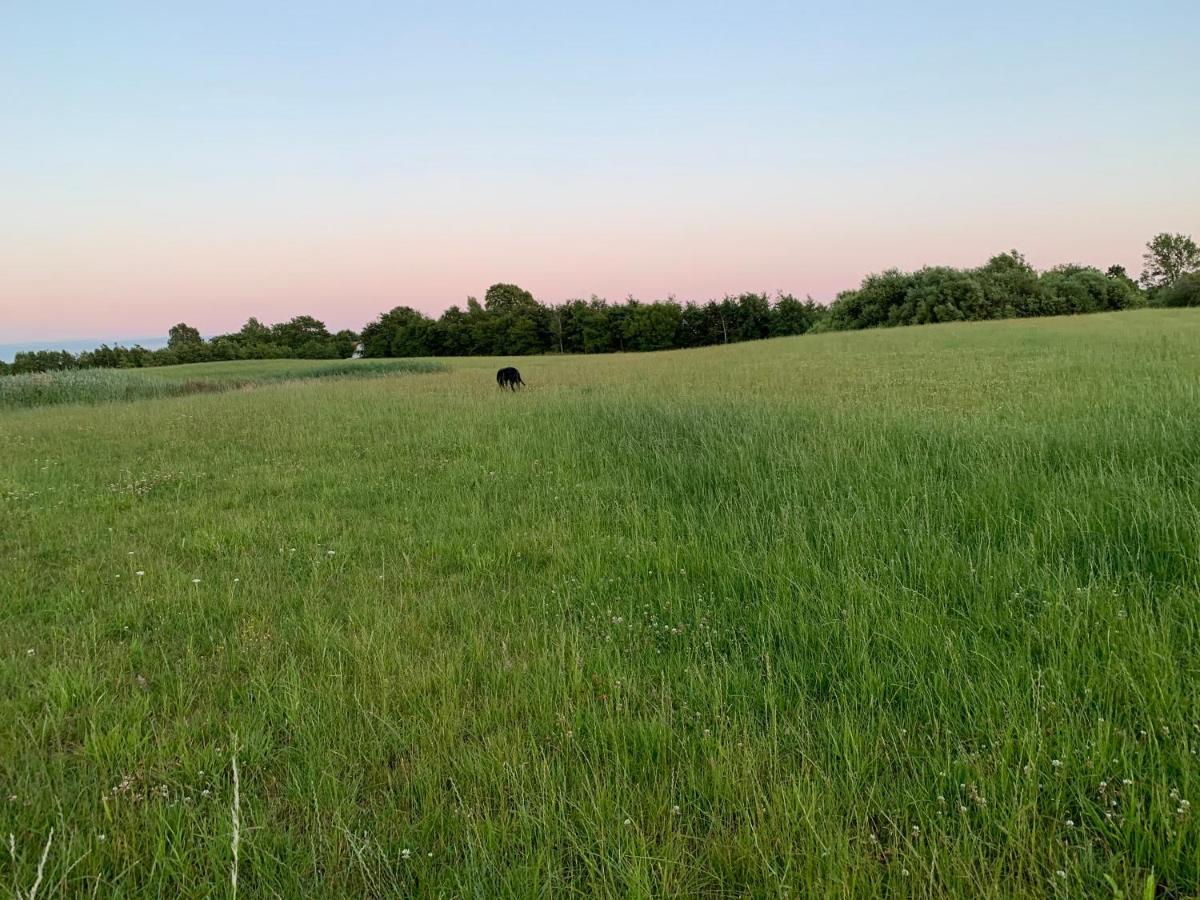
<point x="208" y="162"/>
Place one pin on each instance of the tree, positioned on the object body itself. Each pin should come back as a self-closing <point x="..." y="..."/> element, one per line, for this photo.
<point x="399" y="332"/>
<point x="1118" y="276"/>
<point x="344" y="343"/>
<point x="791" y="316"/>
<point x="693" y="326"/>
<point x="42" y="361"/>
<point x="1081" y="289"/>
<point x="182" y="335"/>
<point x="1184" y="292"/>
<point x="753" y="317"/>
<point x="254" y="332"/>
<point x="1167" y="257"/>
<point x="508" y="298"/>
<point x="300" y="332"/>
<point x="599" y="331"/>
<point x="1011" y="286"/>
<point x="651" y="326"/>
<point x="519" y="324"/>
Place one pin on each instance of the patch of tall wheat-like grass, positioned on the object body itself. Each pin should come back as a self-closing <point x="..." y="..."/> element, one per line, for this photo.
<point x="110" y="385"/>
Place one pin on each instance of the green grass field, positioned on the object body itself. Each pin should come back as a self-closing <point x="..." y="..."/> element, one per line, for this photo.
<point x="910" y="612"/>
<point x="115" y="385"/>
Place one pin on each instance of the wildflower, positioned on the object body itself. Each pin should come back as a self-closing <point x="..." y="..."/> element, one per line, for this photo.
<point x="195" y="581"/>
<point x="330" y="552"/>
<point x="1061" y="874"/>
<point x="1056" y="763"/>
<point x="674" y="810"/>
<point x="101" y="838"/>
<point x="629" y="821"/>
<point x="30" y="652"/>
<point x="1070" y="823"/>
<point x="406" y="853"/>
<point x="139" y="573"/>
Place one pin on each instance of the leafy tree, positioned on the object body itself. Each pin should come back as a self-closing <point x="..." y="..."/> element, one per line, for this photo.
<point x="651" y="326"/>
<point x="1120" y="276"/>
<point x="599" y="333"/>
<point x="401" y="331"/>
<point x="183" y="334"/>
<point x="568" y="323"/>
<point x="508" y="298"/>
<point x="42" y="361"/>
<point x="1184" y="292"/>
<point x="1167" y="258"/>
<point x="753" y="317"/>
<point x="254" y="332"/>
<point x="693" y="328"/>
<point x="881" y="300"/>
<point x="300" y="331"/>
<point x="343" y="343"/>
<point x="519" y="324"/>
<point x="792" y="316"/>
<point x="1076" y="289"/>
<point x="1010" y="286"/>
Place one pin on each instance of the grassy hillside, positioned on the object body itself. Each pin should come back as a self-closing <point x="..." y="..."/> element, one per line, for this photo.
<point x="906" y="612"/>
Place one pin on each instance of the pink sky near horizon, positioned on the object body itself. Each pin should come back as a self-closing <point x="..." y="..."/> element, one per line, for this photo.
<point x="139" y="274"/>
<point x="140" y="286"/>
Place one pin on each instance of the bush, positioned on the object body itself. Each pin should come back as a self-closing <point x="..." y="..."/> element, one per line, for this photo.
<point x="1005" y="287"/>
<point x="1184" y="292"/>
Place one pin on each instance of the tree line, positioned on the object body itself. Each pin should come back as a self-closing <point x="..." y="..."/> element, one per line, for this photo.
<point x="302" y="337"/>
<point x="511" y="322"/>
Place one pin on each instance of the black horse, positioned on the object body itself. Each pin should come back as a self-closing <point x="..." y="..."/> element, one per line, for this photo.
<point x="510" y="378"/>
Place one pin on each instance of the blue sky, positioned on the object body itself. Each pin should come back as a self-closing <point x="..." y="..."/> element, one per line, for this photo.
<point x="162" y="163"/>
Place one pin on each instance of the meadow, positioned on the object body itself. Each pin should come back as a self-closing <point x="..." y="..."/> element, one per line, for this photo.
<point x="904" y="612"/>
<point x="37" y="389"/>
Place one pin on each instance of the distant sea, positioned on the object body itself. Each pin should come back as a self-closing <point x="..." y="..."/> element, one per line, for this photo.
<point x="8" y="351"/>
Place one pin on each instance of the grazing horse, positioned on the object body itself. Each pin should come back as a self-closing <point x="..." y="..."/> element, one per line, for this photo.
<point x="510" y="378"/>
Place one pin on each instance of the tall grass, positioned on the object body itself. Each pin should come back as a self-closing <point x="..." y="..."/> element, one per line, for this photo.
<point x="111" y="385"/>
<point x="895" y="613"/>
